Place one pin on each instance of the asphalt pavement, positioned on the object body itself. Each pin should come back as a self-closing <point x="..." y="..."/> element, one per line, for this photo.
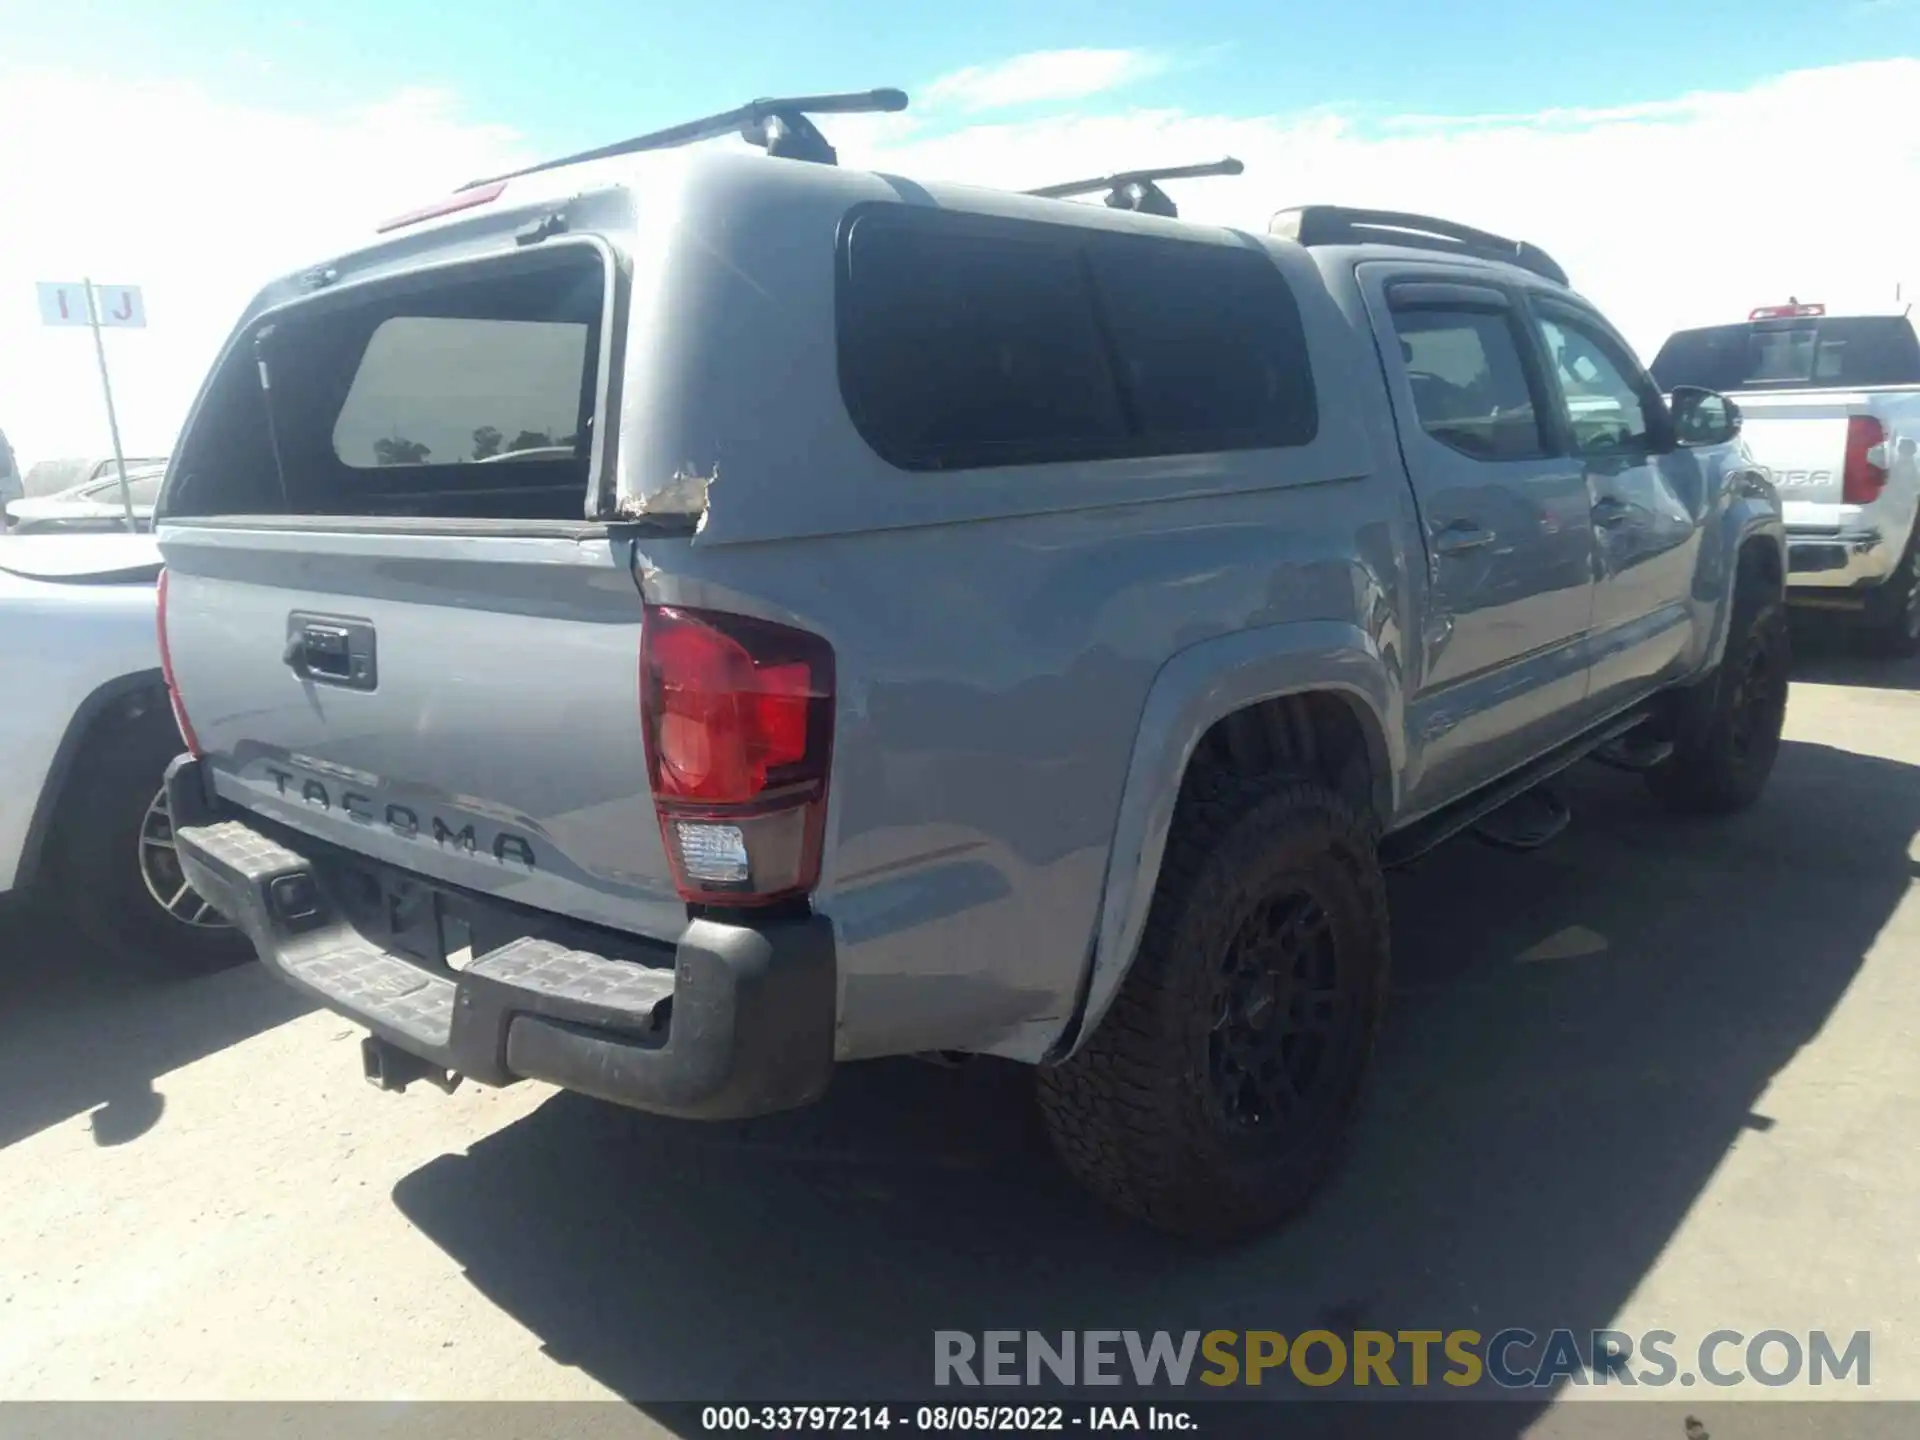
<point x="1663" y="1074"/>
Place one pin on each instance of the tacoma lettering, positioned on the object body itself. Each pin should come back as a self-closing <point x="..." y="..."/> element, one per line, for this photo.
<point x="462" y="838"/>
<point x="506" y="846"/>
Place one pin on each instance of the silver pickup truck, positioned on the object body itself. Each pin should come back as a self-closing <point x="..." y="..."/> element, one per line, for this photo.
<point x="1832" y="406"/>
<point x="674" y="625"/>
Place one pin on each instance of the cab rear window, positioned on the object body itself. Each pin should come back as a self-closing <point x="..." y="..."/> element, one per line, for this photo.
<point x="1801" y="353"/>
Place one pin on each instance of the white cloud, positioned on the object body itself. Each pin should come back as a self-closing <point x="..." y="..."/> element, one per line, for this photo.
<point x="1686" y="210"/>
<point x="1682" y="211"/>
<point x="199" y="203"/>
<point x="1040" y="75"/>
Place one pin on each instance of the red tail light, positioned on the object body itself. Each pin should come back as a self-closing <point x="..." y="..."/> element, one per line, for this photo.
<point x="1865" y="475"/>
<point x="166" y="668"/>
<point x="738" y="717"/>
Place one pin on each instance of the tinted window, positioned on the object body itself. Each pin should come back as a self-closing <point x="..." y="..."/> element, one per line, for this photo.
<point x="1208" y="340"/>
<point x="962" y="348"/>
<point x="1602" y="399"/>
<point x="971" y="342"/>
<point x="1469" y="385"/>
<point x="437" y="390"/>
<point x="1849" y="353"/>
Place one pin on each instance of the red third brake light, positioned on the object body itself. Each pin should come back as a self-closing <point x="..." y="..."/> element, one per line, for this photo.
<point x="166" y="668"/>
<point x="738" y="720"/>
<point x="1865" y="475"/>
<point x="459" y="200"/>
<point x="1793" y="311"/>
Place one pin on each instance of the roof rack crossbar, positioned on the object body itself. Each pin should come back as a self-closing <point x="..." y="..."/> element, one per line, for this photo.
<point x="1136" y="190"/>
<point x="778" y="124"/>
<point x="1341" y="225"/>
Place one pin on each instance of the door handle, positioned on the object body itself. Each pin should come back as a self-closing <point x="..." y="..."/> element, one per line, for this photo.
<point x="330" y="650"/>
<point x="1609" y="512"/>
<point x="319" y="650"/>
<point x="1460" y="537"/>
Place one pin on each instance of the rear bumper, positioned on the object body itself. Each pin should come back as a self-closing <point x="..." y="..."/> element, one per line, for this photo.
<point x="1841" y="560"/>
<point x="729" y="1021"/>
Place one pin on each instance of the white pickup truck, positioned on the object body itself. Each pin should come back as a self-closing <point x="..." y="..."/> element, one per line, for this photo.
<point x="1832" y="410"/>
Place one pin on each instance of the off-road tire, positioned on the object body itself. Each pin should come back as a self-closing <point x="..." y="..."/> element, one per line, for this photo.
<point x="1141" y="1113"/>
<point x="93" y="860"/>
<point x="1727" y="729"/>
<point x="1892" y="622"/>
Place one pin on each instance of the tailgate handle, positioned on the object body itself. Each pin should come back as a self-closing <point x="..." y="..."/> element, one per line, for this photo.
<point x="330" y="650"/>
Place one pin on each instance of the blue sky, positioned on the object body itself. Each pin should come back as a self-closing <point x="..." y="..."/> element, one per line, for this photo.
<point x="574" y="73"/>
<point x="1677" y="156"/>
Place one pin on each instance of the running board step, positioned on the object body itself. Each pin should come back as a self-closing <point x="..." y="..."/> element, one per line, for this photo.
<point x="1529" y="820"/>
<point x="1423" y="834"/>
<point x="1635" y="753"/>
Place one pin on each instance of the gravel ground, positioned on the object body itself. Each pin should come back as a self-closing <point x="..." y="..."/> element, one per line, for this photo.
<point x="1661" y="1075"/>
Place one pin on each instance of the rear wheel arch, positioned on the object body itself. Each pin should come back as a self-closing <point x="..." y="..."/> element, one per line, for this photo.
<point x="125" y="700"/>
<point x="1314" y="699"/>
<point x="110" y="861"/>
<point x="1325" y="735"/>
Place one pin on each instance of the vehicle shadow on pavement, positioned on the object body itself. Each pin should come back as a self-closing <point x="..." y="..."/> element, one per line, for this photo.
<point x="1826" y="651"/>
<point x="76" y="1036"/>
<point x="1578" y="1037"/>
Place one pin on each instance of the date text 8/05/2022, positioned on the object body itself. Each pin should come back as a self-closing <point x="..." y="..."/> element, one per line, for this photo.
<point x="946" y="1419"/>
<point x="1509" y="1359"/>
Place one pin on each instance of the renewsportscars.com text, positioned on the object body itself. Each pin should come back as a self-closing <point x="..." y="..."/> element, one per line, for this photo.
<point x="1509" y="1359"/>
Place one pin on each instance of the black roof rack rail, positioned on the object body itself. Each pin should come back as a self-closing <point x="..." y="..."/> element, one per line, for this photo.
<point x="1136" y="190"/>
<point x="1339" y="225"/>
<point x="779" y="125"/>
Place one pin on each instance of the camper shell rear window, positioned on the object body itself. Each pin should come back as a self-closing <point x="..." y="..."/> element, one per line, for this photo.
<point x="463" y="392"/>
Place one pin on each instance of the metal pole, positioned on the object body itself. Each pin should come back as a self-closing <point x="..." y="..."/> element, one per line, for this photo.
<point x="106" y="389"/>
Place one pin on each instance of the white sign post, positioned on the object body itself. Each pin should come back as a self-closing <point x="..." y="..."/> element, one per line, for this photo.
<point x="93" y="305"/>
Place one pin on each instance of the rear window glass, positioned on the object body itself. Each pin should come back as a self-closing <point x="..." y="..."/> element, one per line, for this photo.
<point x="1830" y="353"/>
<point x="445" y="390"/>
<point x="969" y="342"/>
<point x="463" y="393"/>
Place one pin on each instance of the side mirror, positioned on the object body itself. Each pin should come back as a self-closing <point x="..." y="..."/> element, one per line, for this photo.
<point x="1702" y="417"/>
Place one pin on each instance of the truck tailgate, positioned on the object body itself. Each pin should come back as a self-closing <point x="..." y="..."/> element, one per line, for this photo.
<point x="1802" y="442"/>
<point x="462" y="706"/>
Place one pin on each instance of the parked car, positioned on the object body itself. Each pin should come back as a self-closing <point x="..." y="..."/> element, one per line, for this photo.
<point x="1832" y="406"/>
<point x="94" y="505"/>
<point x="87" y="733"/>
<point x="1048" y="619"/>
<point x="50" y="477"/>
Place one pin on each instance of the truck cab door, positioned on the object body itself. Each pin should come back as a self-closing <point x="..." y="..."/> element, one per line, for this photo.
<point x="1647" y="495"/>
<point x="1500" y="665"/>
